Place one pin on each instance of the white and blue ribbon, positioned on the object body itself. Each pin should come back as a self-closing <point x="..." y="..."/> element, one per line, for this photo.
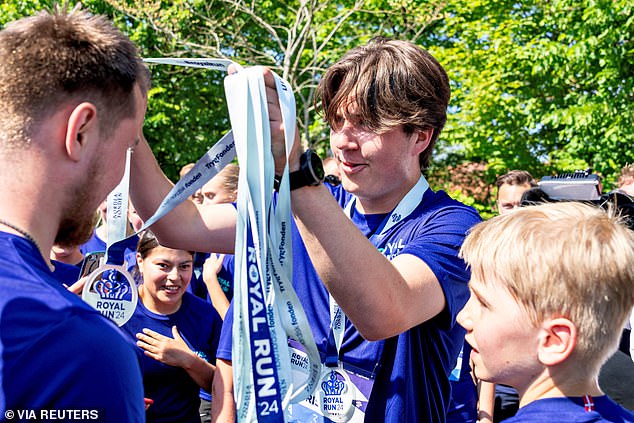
<point x="266" y="308"/>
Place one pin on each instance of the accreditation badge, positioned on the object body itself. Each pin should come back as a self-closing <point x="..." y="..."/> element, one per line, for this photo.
<point x="341" y="394"/>
<point x="111" y="290"/>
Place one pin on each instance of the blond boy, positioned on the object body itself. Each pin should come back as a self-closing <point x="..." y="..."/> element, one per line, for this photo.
<point x="551" y="288"/>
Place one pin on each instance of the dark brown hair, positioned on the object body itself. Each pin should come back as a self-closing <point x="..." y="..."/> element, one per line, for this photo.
<point x="148" y="242"/>
<point x="392" y="83"/>
<point x="516" y="177"/>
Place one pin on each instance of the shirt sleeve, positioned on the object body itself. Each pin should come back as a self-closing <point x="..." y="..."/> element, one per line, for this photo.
<point x="437" y="242"/>
<point x="225" y="343"/>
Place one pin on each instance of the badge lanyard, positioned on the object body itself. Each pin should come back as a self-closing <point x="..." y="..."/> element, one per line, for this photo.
<point x="266" y="308"/>
<point x="404" y="208"/>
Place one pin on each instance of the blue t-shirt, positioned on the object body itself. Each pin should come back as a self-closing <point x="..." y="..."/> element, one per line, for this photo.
<point x="572" y="410"/>
<point x="225" y="277"/>
<point x="463" y="407"/>
<point x="411" y="369"/>
<point x="57" y="352"/>
<point x="199" y="289"/>
<point x="65" y="273"/>
<point x="174" y="392"/>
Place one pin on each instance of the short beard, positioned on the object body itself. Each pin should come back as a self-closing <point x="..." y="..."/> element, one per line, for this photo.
<point x="78" y="220"/>
<point x="75" y="230"/>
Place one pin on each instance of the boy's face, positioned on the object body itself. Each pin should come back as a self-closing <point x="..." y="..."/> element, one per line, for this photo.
<point x="373" y="166"/>
<point x="504" y="340"/>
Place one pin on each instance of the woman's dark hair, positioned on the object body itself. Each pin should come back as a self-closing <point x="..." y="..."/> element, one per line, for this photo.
<point x="148" y="242"/>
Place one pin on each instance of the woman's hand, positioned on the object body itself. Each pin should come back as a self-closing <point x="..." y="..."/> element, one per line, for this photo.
<point x="170" y="351"/>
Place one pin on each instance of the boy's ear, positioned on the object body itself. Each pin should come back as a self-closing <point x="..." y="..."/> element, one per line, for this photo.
<point x="558" y="338"/>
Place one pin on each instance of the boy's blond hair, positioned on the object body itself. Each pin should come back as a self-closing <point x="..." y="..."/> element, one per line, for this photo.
<point x="561" y="260"/>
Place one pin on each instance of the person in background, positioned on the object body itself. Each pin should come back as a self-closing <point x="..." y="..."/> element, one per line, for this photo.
<point x="222" y="188"/>
<point x="499" y="402"/>
<point x="69" y="255"/>
<point x="546" y="282"/>
<point x="213" y="273"/>
<point x="331" y="171"/>
<point x="67" y="263"/>
<point x="625" y="182"/>
<point x="184" y="170"/>
<point x="177" y="332"/>
<point x="98" y="242"/>
<point x="511" y="186"/>
<point x="213" y="278"/>
<point x="617" y="374"/>
<point x="73" y="94"/>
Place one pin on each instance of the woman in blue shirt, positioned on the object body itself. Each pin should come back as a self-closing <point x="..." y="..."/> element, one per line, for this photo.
<point x="177" y="332"/>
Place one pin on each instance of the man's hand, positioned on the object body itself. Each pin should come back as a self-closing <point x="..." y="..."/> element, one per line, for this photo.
<point x="278" y="147"/>
<point x="77" y="287"/>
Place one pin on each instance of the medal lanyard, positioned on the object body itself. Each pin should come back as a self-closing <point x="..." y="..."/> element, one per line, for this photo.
<point x="208" y="166"/>
<point x="266" y="308"/>
<point x="117" y="216"/>
<point x="404" y="208"/>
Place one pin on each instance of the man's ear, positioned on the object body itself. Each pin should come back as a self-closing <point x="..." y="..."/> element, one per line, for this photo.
<point x="81" y="125"/>
<point x="558" y="338"/>
<point x="423" y="139"/>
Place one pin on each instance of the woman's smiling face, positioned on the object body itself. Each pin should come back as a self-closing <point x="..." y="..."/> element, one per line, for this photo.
<point x="166" y="275"/>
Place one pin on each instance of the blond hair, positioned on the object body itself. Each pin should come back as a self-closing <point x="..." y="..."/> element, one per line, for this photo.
<point x="567" y="260"/>
<point x="626" y="176"/>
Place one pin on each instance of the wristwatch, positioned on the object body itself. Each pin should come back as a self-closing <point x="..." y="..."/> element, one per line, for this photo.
<point x="310" y="173"/>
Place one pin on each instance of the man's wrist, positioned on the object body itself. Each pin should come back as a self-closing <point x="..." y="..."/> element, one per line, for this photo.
<point x="309" y="173"/>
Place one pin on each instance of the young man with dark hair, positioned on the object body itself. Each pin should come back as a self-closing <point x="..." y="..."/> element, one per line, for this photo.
<point x="391" y="260"/>
<point x="511" y="186"/>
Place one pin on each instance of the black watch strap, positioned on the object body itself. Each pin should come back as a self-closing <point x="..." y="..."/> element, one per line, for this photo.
<point x="310" y="173"/>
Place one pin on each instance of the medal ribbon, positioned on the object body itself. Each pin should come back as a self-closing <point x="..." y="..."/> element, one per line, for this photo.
<point x="266" y="309"/>
<point x="117" y="216"/>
